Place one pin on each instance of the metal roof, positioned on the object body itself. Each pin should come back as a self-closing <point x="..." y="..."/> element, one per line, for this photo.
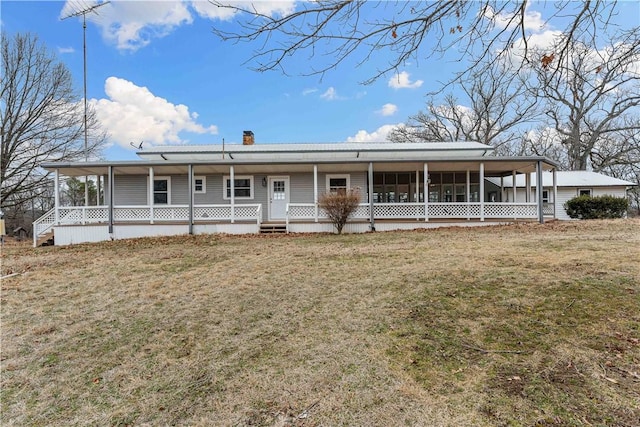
<point x="316" y="152"/>
<point x="567" y="179"/>
<point x="271" y="158"/>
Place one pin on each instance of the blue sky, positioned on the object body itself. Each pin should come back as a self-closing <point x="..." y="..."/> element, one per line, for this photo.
<point x="156" y="73"/>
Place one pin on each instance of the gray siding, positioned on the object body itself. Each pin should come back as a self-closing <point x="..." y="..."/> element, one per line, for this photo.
<point x="130" y="190"/>
<point x="567" y="193"/>
<point x="302" y="187"/>
<point x="179" y="190"/>
<point x="133" y="189"/>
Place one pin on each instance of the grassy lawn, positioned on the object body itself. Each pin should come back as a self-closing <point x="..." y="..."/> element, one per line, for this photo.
<point x="516" y="325"/>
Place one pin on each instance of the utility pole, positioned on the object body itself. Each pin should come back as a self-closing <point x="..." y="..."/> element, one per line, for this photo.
<point x="84" y="12"/>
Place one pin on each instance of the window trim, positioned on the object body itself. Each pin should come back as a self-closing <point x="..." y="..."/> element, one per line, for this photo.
<point x="329" y="177"/>
<point x="227" y="178"/>
<point x="161" y="178"/>
<point x="580" y="190"/>
<point x="204" y="184"/>
<point x="546" y="199"/>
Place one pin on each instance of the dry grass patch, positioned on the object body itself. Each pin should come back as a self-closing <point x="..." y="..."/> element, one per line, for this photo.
<point x="512" y="325"/>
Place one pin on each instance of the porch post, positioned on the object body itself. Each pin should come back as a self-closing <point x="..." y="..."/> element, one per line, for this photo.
<point x="502" y="189"/>
<point x="514" y="189"/>
<point x="468" y="195"/>
<point x="539" y="191"/>
<point x="98" y="189"/>
<point x="315" y="192"/>
<point x="190" y="189"/>
<point x="425" y="190"/>
<point x="370" y="191"/>
<point x="151" y="184"/>
<point x="527" y="178"/>
<point x="56" y="194"/>
<point x="232" y="178"/>
<point x="555" y="193"/>
<point x="417" y="194"/>
<point x="110" y="201"/>
<point x="482" y="191"/>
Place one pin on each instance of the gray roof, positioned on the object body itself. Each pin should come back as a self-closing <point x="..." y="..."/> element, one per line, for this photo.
<point x="320" y="152"/>
<point x="281" y="158"/>
<point x="567" y="179"/>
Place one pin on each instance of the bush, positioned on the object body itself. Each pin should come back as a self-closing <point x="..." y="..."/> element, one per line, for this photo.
<point x="599" y="207"/>
<point x="339" y="206"/>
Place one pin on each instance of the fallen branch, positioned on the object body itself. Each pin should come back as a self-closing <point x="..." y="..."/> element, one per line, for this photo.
<point x="570" y="304"/>
<point x="9" y="275"/>
<point x="304" y="414"/>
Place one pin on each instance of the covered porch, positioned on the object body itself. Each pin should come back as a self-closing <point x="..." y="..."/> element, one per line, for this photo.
<point x="395" y="195"/>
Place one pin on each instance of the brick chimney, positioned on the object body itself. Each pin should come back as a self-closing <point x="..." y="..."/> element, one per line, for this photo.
<point x="247" y="138"/>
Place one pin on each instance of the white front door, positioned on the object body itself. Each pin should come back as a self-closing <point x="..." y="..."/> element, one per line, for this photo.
<point x="278" y="197"/>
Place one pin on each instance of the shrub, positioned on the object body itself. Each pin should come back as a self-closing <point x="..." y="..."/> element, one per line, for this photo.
<point x="339" y="206"/>
<point x="599" y="207"/>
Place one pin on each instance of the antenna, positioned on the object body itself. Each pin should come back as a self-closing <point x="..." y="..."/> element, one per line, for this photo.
<point x="137" y="146"/>
<point x="84" y="12"/>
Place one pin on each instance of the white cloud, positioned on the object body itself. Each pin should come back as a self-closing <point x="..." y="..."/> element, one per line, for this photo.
<point x="131" y="25"/>
<point x="532" y="19"/>
<point x="63" y="50"/>
<point x="331" y="94"/>
<point x="209" y="10"/>
<point x="388" y="110"/>
<point x="309" y="91"/>
<point x="270" y="8"/>
<point x="402" y="81"/>
<point x="133" y="113"/>
<point x="379" y="135"/>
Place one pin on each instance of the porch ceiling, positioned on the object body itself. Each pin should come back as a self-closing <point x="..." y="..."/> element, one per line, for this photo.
<point x="495" y="166"/>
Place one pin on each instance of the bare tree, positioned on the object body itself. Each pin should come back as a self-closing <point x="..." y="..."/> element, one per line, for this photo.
<point x="494" y="110"/>
<point x="592" y="99"/>
<point x="408" y="30"/>
<point x="42" y="118"/>
<point x="541" y="141"/>
<point x="339" y="206"/>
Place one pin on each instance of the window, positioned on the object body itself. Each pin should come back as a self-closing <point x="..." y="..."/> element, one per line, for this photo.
<point x="545" y="196"/>
<point x="338" y="183"/>
<point x="199" y="184"/>
<point x="584" y="192"/>
<point x="461" y="192"/>
<point x="243" y="187"/>
<point x="161" y="190"/>
<point x="449" y="187"/>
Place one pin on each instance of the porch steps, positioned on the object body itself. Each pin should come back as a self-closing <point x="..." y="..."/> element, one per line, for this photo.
<point x="46" y="239"/>
<point x="273" y="228"/>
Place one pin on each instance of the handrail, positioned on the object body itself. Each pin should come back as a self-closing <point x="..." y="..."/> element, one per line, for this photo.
<point x="38" y="232"/>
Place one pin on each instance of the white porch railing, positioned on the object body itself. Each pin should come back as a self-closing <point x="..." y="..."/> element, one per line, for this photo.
<point x="511" y="210"/>
<point x="548" y="209"/>
<point x="398" y="210"/>
<point x="295" y="211"/>
<point x="307" y="211"/>
<point x="465" y="210"/>
<point x="79" y="215"/>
